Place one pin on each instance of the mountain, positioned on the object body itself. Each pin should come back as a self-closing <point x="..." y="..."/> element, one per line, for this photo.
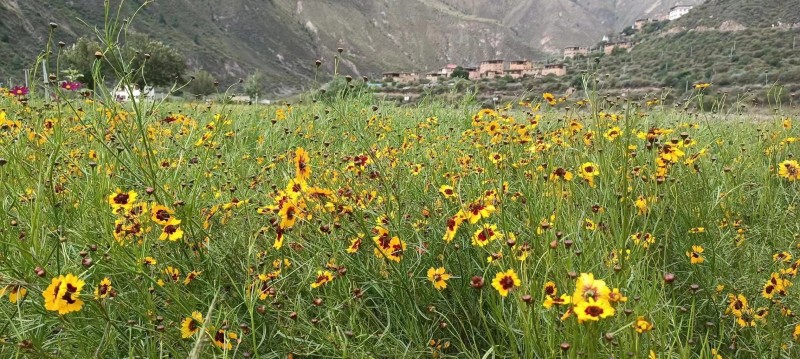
<point x="283" y="38"/>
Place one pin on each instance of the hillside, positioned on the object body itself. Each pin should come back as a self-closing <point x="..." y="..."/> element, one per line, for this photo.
<point x="283" y="38"/>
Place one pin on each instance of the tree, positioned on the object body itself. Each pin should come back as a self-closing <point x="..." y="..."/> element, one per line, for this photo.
<point x="202" y="83"/>
<point x="161" y="64"/>
<point x="459" y="72"/>
<point x="254" y="85"/>
<point x="80" y="57"/>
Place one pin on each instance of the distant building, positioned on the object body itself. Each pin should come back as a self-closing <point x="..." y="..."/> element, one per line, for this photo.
<point x="677" y="11"/>
<point x="571" y="52"/>
<point x="400" y="77"/>
<point x="521" y="65"/>
<point x="497" y="66"/>
<point x="473" y="72"/>
<point x="434" y="77"/>
<point x="449" y="69"/>
<point x="554" y="69"/>
<point x="491" y="74"/>
<point x="514" y="74"/>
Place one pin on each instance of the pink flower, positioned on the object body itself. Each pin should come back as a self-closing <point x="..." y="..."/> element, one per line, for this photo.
<point x="71" y="85"/>
<point x="19" y="91"/>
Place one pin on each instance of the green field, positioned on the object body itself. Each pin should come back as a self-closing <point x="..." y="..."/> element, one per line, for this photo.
<point x="353" y="228"/>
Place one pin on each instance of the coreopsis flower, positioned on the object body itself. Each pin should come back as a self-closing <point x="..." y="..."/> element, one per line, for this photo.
<point x="615" y="296"/>
<point x="191" y="276"/>
<point x="550" y="289"/>
<point x="696" y="255"/>
<point x="15" y="293"/>
<point x="796" y="333"/>
<point x="641" y="325"/>
<point x="586" y="287"/>
<point x="323" y="277"/>
<point x="485" y="234"/>
<point x="447" y="191"/>
<point x="173" y="273"/>
<point x="224" y="339"/>
<point x="478" y="210"/>
<point x="697" y="230"/>
<point x="561" y="173"/>
<point x="302" y="167"/>
<point x="191" y="325"/>
<point x="789" y="169"/>
<point x="550" y="301"/>
<point x="588" y="171"/>
<point x="149" y="261"/>
<point x="161" y="214"/>
<point x="289" y="212"/>
<point x="701" y="85"/>
<point x="613" y="133"/>
<point x="643" y="239"/>
<point x="671" y="153"/>
<point x="506" y="281"/>
<point x="787" y="123"/>
<point x="641" y="205"/>
<point x="783" y="257"/>
<point x="355" y="244"/>
<point x="593" y="310"/>
<point x="122" y="200"/>
<point x="172" y="231"/>
<point x="439" y="277"/>
<point x="63" y="294"/>
<point x="19" y="91"/>
<point x="452" y="227"/>
<point x="737" y="304"/>
<point x="104" y="289"/>
<point x="775" y="285"/>
<point x="550" y="98"/>
<point x="397" y="248"/>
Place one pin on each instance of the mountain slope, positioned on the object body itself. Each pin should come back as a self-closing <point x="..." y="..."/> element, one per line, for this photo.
<point x="283" y="38"/>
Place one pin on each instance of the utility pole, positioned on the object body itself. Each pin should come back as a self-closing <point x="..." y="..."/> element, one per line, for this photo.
<point x="44" y="75"/>
<point x="26" y="71"/>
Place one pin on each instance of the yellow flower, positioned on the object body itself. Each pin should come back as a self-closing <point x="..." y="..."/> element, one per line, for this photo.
<point x="171" y="231"/>
<point x="641" y="325"/>
<point x="15" y="293"/>
<point x="63" y="294"/>
<point x="506" y="281"/>
<point x="161" y="214"/>
<point x="301" y="166"/>
<point x="550" y="301"/>
<point x="191" y="325"/>
<point x="593" y="310"/>
<point x="447" y="191"/>
<point x="796" y="333"/>
<point x="122" y="200"/>
<point x="587" y="287"/>
<point x="323" y="277"/>
<point x="790" y="170"/>
<point x="439" y="277"/>
<point x="613" y="133"/>
<point x="485" y="234"/>
<point x="104" y="290"/>
<point x="696" y="255"/>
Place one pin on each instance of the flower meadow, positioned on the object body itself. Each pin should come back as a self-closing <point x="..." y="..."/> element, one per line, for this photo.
<point x="355" y="228"/>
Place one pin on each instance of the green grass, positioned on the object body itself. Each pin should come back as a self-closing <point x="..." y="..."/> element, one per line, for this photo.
<point x="224" y="170"/>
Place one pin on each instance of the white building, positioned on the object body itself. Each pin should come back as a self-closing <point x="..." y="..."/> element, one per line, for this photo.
<point x="677" y="11"/>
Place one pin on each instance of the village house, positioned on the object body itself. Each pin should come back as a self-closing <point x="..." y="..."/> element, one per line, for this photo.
<point x="554" y="69"/>
<point x="677" y="11"/>
<point x="434" y="77"/>
<point x="571" y="52"/>
<point x="400" y="77"/>
<point x="514" y="74"/>
<point x="608" y="49"/>
<point x="496" y="66"/>
<point x="449" y="69"/>
<point x="521" y="65"/>
<point x="473" y="72"/>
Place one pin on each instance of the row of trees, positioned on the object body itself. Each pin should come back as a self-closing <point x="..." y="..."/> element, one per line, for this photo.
<point x="161" y="65"/>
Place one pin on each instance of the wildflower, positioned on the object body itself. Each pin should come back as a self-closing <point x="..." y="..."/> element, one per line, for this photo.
<point x="697" y="230"/>
<point x="439" y="277"/>
<point x="104" y="289"/>
<point x="171" y="231"/>
<point x="701" y="85"/>
<point x="550" y="289"/>
<point x="790" y="170"/>
<point x="736" y="305"/>
<point x="63" y="294"/>
<point x="550" y="301"/>
<point x="549" y="98"/>
<point x="191" y="276"/>
<point x="643" y="239"/>
<point x="641" y="325"/>
<point x="696" y="255"/>
<point x="562" y="174"/>
<point x="71" y="85"/>
<point x="173" y="273"/>
<point x="122" y="200"/>
<point x="484" y="235"/>
<point x="447" y="191"/>
<point x="149" y="261"/>
<point x="416" y="169"/>
<point x="588" y="172"/>
<point x="397" y="248"/>
<point x="478" y="210"/>
<point x="323" y="277"/>
<point x="613" y="133"/>
<point x="301" y="166"/>
<point x="355" y="244"/>
<point x="452" y="227"/>
<point x="787" y="123"/>
<point x="15" y="293"/>
<point x="19" y="91"/>
<point x="589" y="224"/>
<point x="496" y="158"/>
<point x="641" y="205"/>
<point x="191" y="325"/>
<point x="222" y="339"/>
<point x="161" y="214"/>
<point x="796" y="333"/>
<point x="288" y="214"/>
<point x="593" y="310"/>
<point x="783" y="257"/>
<point x="587" y="287"/>
<point x="503" y="282"/>
<point x="615" y="296"/>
